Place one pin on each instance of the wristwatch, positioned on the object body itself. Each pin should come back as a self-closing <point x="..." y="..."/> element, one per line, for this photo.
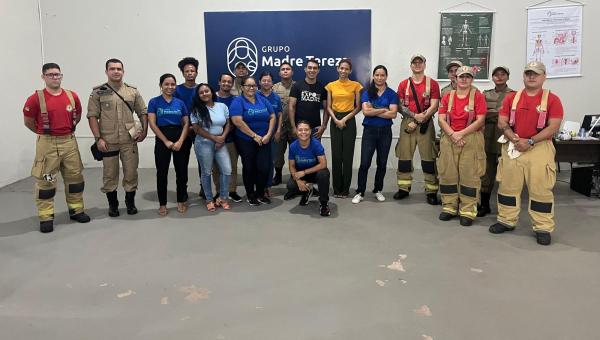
<point x="530" y="141"/>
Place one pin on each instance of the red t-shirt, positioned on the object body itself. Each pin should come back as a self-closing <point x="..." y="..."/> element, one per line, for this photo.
<point x="459" y="117"/>
<point x="60" y="112"/>
<point x="420" y="88"/>
<point x="526" y="116"/>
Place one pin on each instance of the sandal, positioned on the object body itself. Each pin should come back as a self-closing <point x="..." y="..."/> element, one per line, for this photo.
<point x="163" y="211"/>
<point x="181" y="207"/>
<point x="223" y="204"/>
<point x="210" y="206"/>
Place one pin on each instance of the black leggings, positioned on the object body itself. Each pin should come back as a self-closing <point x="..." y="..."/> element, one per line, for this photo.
<point x="256" y="160"/>
<point x="162" y="159"/>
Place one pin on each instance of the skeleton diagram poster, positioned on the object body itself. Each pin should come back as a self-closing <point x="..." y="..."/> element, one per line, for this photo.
<point x="554" y="38"/>
<point x="466" y="36"/>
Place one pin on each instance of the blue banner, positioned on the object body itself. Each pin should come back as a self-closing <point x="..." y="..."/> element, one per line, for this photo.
<point x="263" y="40"/>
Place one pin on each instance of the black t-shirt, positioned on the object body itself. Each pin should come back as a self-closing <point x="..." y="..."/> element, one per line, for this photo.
<point x="309" y="101"/>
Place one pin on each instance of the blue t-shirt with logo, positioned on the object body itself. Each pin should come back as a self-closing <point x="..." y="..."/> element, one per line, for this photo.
<point x="167" y="113"/>
<point x="306" y="158"/>
<point x="387" y="98"/>
<point x="227" y="101"/>
<point x="185" y="93"/>
<point x="256" y="115"/>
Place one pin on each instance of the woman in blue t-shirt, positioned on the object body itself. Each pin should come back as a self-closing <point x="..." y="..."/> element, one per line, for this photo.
<point x="308" y="165"/>
<point x="255" y="121"/>
<point x="210" y="121"/>
<point x="169" y="119"/>
<point x="380" y="107"/>
<point x="266" y="90"/>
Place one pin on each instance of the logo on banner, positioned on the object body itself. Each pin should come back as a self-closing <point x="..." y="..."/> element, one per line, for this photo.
<point x="242" y="50"/>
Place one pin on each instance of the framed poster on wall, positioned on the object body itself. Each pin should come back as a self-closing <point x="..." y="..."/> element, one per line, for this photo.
<point x="554" y="38"/>
<point x="465" y="36"/>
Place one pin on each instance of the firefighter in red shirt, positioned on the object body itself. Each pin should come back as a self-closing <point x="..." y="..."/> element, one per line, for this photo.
<point x="528" y="118"/>
<point x="419" y="99"/>
<point x="462" y="156"/>
<point x="53" y="113"/>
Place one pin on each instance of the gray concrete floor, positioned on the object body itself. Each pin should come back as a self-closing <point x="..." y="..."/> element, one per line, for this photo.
<point x="283" y="272"/>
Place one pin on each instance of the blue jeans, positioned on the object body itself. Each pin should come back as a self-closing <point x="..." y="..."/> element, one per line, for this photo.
<point x="207" y="154"/>
<point x="374" y="138"/>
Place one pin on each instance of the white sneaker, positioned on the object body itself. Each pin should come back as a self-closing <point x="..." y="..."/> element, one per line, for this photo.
<point x="357" y="199"/>
<point x="379" y="196"/>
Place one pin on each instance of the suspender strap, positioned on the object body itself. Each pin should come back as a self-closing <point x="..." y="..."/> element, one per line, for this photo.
<point x="471" y="106"/>
<point x="543" y="111"/>
<point x="43" y="112"/>
<point x="427" y="94"/>
<point x="513" y="109"/>
<point x="73" y="110"/>
<point x="407" y="92"/>
<point x="450" y="104"/>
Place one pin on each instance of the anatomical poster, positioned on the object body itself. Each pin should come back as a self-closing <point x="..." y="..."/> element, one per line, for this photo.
<point x="554" y="38"/>
<point x="466" y="37"/>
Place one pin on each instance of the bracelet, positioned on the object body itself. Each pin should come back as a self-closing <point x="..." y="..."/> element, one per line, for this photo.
<point x="450" y="135"/>
<point x="97" y="139"/>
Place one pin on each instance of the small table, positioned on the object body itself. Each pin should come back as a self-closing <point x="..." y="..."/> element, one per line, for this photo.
<point x="585" y="179"/>
<point x="581" y="151"/>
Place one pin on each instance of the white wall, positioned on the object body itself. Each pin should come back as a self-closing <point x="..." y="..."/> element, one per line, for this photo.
<point x="21" y="67"/>
<point x="150" y="36"/>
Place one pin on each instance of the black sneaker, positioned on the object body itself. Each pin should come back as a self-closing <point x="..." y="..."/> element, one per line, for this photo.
<point x="465" y="221"/>
<point x="444" y="216"/>
<point x="543" y="238"/>
<point x="306" y="197"/>
<point x="80" y="218"/>
<point x="253" y="201"/>
<point x="235" y="197"/>
<point x="432" y="199"/>
<point x="499" y="228"/>
<point x="400" y="194"/>
<point x="264" y="200"/>
<point x="289" y="195"/>
<point x="325" y="209"/>
<point x="47" y="226"/>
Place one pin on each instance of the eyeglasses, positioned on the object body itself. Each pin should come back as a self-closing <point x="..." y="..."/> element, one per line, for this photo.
<point x="250" y="86"/>
<point x="54" y="75"/>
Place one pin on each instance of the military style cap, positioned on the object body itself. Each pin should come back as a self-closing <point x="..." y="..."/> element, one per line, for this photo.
<point x="420" y="56"/>
<point x="464" y="70"/>
<point x="504" y="68"/>
<point x="453" y="63"/>
<point x="536" y="66"/>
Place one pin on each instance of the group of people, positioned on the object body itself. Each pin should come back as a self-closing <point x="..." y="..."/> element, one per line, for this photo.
<point x="253" y="119"/>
